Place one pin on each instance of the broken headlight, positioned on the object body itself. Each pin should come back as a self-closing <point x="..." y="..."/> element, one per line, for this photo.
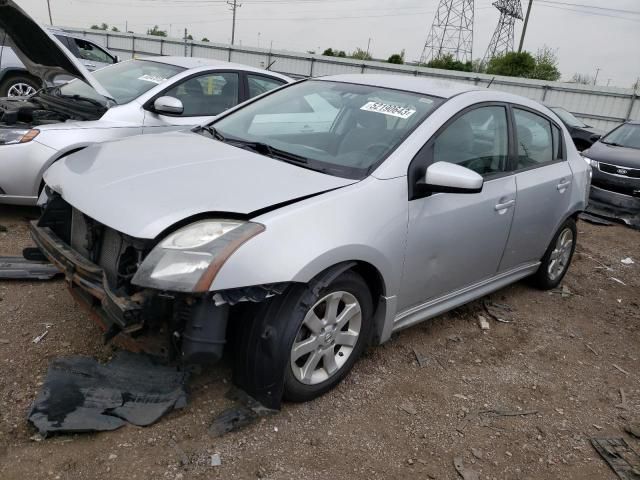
<point x="188" y="259"/>
<point x="10" y="136"/>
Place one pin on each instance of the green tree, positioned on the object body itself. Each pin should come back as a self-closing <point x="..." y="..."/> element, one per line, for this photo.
<point x="342" y="54"/>
<point x="102" y="26"/>
<point x="397" y="58"/>
<point x="329" y="52"/>
<point x="189" y="37"/>
<point x="447" y="62"/>
<point x="546" y="65"/>
<point x="204" y="39"/>
<point x="512" y="64"/>
<point x="156" y="31"/>
<point x="582" y="79"/>
<point x="361" y="54"/>
<point x="114" y="29"/>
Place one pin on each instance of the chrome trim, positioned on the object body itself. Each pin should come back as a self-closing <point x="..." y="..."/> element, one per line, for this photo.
<point x="618" y="167"/>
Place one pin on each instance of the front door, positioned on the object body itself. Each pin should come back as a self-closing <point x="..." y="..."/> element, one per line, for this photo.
<point x="203" y="97"/>
<point x="544" y="182"/>
<point x="455" y="240"/>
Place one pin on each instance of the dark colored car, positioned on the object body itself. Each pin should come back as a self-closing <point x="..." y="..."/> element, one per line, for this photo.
<point x="583" y="135"/>
<point x="615" y="160"/>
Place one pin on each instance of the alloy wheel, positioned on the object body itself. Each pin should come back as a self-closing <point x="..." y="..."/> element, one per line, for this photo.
<point x="327" y="337"/>
<point x="561" y="254"/>
<point x="20" y="90"/>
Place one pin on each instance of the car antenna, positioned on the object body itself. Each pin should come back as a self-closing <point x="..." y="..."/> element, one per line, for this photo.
<point x="271" y="65"/>
<point x="491" y="82"/>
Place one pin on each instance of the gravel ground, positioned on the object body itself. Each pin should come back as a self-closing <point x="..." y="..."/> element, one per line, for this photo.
<point x="562" y="362"/>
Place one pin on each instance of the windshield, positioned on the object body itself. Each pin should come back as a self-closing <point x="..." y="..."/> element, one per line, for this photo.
<point x="339" y="128"/>
<point x="568" y="118"/>
<point x="125" y="81"/>
<point x="626" y="135"/>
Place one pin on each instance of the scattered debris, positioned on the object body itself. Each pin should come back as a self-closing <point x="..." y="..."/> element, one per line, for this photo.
<point x="81" y="395"/>
<point x="454" y="338"/>
<point x="476" y="452"/>
<point x="409" y="408"/>
<point x="620" y="369"/>
<point x="18" y="268"/>
<point x="623" y="400"/>
<point x="246" y="412"/>
<point x="460" y="396"/>
<point x="465" y="473"/>
<point x="592" y="349"/>
<point x="622" y="459"/>
<point x="500" y="312"/>
<point x="422" y="360"/>
<point x="617" y="280"/>
<point x="627" y="261"/>
<point x="633" y="429"/>
<point x="597" y="427"/>
<point x="559" y="410"/>
<point x="184" y="459"/>
<point x="40" y="337"/>
<point x="483" y="323"/>
<point x="564" y="292"/>
<point x="216" y="461"/>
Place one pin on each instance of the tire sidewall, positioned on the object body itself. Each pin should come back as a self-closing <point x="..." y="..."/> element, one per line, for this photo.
<point x="542" y="278"/>
<point x="350" y="282"/>
<point x="7" y="83"/>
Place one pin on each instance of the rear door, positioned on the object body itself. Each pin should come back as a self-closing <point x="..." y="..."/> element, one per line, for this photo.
<point x="203" y="96"/>
<point x="457" y="240"/>
<point x="544" y="181"/>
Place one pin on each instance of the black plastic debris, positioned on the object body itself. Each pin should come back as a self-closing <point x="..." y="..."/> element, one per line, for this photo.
<point x="81" y="395"/>
<point x="246" y="411"/>
<point x="622" y="459"/>
<point x="19" y="268"/>
<point x="587" y="217"/>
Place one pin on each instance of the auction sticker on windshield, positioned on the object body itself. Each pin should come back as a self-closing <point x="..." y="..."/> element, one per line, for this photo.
<point x="152" y="79"/>
<point x="388" y="109"/>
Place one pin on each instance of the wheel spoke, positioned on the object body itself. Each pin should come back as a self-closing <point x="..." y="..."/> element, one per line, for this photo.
<point x="331" y="311"/>
<point x="310" y="365"/>
<point x="347" y="338"/>
<point x="350" y="310"/>
<point x="329" y="360"/>
<point x="313" y="323"/>
<point x="302" y="348"/>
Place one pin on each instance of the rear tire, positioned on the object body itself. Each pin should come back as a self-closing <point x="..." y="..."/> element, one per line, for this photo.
<point x="557" y="258"/>
<point x="18" y="85"/>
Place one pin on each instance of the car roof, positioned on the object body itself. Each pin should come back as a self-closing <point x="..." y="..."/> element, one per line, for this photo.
<point x="426" y="86"/>
<point x="198" y="62"/>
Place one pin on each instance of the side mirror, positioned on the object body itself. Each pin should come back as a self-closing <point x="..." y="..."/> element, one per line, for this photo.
<point x="451" y="178"/>
<point x="116" y="59"/>
<point x="169" y="105"/>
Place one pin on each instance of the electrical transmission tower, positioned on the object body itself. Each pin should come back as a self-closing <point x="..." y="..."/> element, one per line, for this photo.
<point x="451" y="32"/>
<point x="502" y="40"/>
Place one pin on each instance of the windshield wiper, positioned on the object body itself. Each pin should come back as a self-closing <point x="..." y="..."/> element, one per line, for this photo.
<point x="83" y="99"/>
<point x="268" y="150"/>
<point x="211" y="130"/>
<point x="614" y="144"/>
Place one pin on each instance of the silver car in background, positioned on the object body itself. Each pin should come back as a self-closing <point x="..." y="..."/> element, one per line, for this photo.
<point x="385" y="201"/>
<point x="140" y="96"/>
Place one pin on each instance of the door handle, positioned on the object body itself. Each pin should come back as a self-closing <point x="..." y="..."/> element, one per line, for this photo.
<point x="563" y="185"/>
<point x="505" y="205"/>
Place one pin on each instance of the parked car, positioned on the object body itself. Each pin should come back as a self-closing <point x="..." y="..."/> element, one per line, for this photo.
<point x="615" y="160"/>
<point x="583" y="135"/>
<point x="145" y="95"/>
<point x="297" y="249"/>
<point x="15" y="79"/>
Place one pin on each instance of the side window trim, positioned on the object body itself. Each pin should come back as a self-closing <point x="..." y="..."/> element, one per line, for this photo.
<point x="512" y="120"/>
<point x="149" y="103"/>
<point x="426" y="152"/>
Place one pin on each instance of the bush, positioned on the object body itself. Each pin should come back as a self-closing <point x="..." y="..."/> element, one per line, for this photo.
<point x="447" y="62"/>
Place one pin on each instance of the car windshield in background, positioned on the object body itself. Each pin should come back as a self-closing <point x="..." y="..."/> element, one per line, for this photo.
<point x="627" y="135"/>
<point x="568" y="118"/>
<point x="125" y="81"/>
<point x="342" y="129"/>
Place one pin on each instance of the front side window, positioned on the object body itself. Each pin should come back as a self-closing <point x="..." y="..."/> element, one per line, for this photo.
<point x="91" y="52"/>
<point x="535" y="141"/>
<point x="477" y="140"/>
<point x="627" y="135"/>
<point x="259" y="84"/>
<point x="207" y="95"/>
<point x="125" y="81"/>
<point x="339" y="128"/>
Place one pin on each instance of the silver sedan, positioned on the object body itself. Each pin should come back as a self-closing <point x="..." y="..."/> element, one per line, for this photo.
<point x="302" y="226"/>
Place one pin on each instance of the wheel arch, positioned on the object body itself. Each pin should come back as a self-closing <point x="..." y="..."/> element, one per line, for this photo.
<point x="6" y="73"/>
<point x="62" y="154"/>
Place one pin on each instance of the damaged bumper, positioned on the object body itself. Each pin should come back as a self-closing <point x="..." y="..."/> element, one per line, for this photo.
<point x="618" y="206"/>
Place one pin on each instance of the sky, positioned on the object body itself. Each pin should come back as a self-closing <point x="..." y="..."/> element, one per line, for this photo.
<point x="606" y="37"/>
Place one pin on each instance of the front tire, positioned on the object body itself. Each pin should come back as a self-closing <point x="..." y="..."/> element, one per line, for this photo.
<point x="557" y="258"/>
<point x="18" y="86"/>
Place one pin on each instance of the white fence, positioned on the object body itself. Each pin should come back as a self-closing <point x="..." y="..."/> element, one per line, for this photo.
<point x="602" y="107"/>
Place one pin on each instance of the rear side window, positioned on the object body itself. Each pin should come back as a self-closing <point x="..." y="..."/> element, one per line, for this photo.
<point x="535" y="139"/>
<point x="259" y="84"/>
<point x="91" y="52"/>
<point x="477" y="140"/>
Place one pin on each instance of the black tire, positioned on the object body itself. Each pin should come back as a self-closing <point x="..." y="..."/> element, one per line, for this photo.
<point x="542" y="279"/>
<point x="13" y="80"/>
<point x="350" y="282"/>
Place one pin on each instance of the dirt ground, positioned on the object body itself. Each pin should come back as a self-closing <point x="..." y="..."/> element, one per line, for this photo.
<point x="564" y="357"/>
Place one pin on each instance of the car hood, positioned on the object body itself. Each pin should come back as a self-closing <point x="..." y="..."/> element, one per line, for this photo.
<point x="41" y="53"/>
<point x="142" y="185"/>
<point x="622" y="156"/>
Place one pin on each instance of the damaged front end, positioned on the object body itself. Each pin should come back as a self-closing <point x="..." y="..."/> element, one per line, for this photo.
<point x="100" y="263"/>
